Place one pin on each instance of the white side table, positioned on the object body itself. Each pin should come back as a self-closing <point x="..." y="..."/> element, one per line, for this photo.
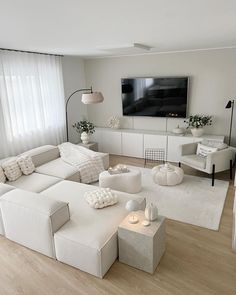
<point x="91" y="146"/>
<point x="139" y="246"/>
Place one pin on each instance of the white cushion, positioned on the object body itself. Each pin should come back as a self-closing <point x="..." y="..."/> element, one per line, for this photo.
<point x="89" y="240"/>
<point x="2" y="176"/>
<point x="35" y="182"/>
<point x="129" y="182"/>
<point x="194" y="161"/>
<point x="101" y="198"/>
<point x="203" y="150"/>
<point x="61" y="169"/>
<point x="11" y="169"/>
<point x="32" y="219"/>
<point x="215" y="144"/>
<point x="26" y="164"/>
<point x="167" y="174"/>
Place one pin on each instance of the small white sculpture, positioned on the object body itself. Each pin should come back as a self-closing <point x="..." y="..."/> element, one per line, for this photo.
<point x="151" y="212"/>
<point x="113" y="122"/>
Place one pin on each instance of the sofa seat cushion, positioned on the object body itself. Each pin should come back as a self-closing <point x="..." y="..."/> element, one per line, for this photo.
<point x="60" y="169"/>
<point x="194" y="161"/>
<point x="34" y="182"/>
<point x="89" y="240"/>
<point x="4" y="188"/>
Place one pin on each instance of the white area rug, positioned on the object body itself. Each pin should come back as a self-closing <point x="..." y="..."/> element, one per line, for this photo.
<point x="193" y="201"/>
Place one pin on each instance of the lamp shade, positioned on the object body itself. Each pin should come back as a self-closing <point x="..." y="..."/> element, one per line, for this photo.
<point x="91" y="98"/>
<point x="229" y="104"/>
<point x="132" y="205"/>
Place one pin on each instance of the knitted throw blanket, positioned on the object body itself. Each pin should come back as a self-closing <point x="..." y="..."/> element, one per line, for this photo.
<point x="87" y="162"/>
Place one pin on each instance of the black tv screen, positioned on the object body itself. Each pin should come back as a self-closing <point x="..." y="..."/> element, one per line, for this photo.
<point x="155" y="97"/>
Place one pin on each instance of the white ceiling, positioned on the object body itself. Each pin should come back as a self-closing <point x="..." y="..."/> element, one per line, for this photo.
<point x="83" y="27"/>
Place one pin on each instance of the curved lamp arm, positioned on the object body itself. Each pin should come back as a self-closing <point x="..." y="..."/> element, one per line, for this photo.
<point x="79" y="90"/>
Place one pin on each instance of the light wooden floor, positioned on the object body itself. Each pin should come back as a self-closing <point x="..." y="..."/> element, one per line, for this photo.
<point x="197" y="261"/>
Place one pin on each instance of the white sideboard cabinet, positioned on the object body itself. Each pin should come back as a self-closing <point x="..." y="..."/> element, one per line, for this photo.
<point x="132" y="143"/>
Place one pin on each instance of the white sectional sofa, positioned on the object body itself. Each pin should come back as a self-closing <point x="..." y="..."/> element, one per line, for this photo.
<point x="50" y="215"/>
<point x="50" y="169"/>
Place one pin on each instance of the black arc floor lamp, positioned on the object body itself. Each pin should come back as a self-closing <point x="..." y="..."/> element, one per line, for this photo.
<point x="230" y="105"/>
<point x="89" y="97"/>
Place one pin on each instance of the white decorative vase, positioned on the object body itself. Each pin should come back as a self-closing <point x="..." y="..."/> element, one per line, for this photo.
<point x="85" y="137"/>
<point x="197" y="132"/>
<point x="151" y="212"/>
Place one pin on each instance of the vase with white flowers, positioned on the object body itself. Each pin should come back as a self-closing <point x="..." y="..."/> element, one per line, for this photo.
<point x="85" y="128"/>
<point x="197" y="122"/>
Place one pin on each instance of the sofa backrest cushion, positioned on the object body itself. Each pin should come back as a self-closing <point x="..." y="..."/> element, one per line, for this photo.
<point x="31" y="219"/>
<point x="43" y="154"/>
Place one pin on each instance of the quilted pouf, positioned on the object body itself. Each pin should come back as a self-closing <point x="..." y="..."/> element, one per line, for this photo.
<point x="167" y="174"/>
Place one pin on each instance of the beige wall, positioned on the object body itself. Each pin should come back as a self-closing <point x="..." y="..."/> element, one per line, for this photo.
<point x="74" y="78"/>
<point x="212" y="82"/>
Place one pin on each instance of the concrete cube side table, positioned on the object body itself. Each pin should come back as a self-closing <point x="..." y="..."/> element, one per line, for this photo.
<point x="139" y="246"/>
<point x="91" y="146"/>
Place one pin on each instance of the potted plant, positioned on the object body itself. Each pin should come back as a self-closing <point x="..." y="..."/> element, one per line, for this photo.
<point x="197" y="122"/>
<point x="85" y="128"/>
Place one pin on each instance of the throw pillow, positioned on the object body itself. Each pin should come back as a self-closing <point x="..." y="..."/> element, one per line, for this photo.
<point x="215" y="144"/>
<point x="2" y="176"/>
<point x="203" y="150"/>
<point x="11" y="170"/>
<point x="26" y="164"/>
<point x="100" y="198"/>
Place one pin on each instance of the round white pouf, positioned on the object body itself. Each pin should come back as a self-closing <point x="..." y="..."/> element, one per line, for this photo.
<point x="129" y="182"/>
<point x="167" y="174"/>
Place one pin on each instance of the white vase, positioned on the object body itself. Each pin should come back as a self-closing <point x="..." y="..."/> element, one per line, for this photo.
<point x="85" y="137"/>
<point x="196" y="132"/>
<point x="151" y="212"/>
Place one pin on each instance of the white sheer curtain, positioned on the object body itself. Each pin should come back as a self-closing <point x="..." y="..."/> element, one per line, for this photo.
<point x="32" y="106"/>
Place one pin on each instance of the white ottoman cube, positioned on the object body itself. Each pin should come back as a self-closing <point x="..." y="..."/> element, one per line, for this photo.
<point x="129" y="182"/>
<point x="167" y="174"/>
<point x="32" y="219"/>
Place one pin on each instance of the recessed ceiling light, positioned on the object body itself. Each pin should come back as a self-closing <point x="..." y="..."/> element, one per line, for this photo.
<point x="125" y="48"/>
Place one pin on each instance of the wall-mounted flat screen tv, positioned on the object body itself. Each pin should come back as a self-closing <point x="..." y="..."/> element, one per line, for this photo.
<point x="155" y="97"/>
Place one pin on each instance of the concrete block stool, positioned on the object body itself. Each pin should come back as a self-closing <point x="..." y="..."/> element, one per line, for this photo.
<point x="129" y="182"/>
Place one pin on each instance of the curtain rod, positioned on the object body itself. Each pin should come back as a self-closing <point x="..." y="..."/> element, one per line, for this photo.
<point x="34" y="52"/>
